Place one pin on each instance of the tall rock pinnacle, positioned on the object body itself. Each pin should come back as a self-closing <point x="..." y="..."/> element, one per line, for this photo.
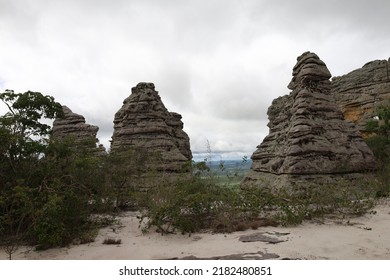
<point x="308" y="136"/>
<point x="144" y="122"/>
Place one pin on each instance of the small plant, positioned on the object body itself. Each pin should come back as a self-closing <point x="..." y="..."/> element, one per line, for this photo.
<point x="112" y="241"/>
<point x="88" y="236"/>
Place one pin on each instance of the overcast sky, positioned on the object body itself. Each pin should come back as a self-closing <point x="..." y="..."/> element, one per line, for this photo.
<point x="219" y="63"/>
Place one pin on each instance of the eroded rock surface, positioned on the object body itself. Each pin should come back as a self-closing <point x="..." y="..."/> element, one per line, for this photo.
<point x="361" y="91"/>
<point x="143" y="122"/>
<point x="308" y="137"/>
<point x="72" y="126"/>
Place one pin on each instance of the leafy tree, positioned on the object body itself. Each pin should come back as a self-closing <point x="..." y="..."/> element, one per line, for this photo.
<point x="48" y="189"/>
<point x="24" y="138"/>
<point x="23" y="135"/>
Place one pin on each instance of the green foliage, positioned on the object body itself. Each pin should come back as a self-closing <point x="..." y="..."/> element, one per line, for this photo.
<point x="21" y="128"/>
<point x="321" y="201"/>
<point x="23" y="136"/>
<point x="188" y="205"/>
<point x="379" y="142"/>
<point x="60" y="220"/>
<point x="16" y="213"/>
<point x="49" y="229"/>
<point x="381" y="124"/>
<point x="26" y="111"/>
<point x="24" y="139"/>
<point x="379" y="127"/>
<point x="48" y="189"/>
<point x="198" y="203"/>
<point x="380" y="146"/>
<point x="128" y="172"/>
<point x="72" y="188"/>
<point x="200" y="169"/>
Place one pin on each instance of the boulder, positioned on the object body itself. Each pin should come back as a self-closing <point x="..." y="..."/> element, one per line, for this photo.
<point x="309" y="140"/>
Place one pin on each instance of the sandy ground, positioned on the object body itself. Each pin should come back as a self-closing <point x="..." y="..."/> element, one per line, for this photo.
<point x="366" y="237"/>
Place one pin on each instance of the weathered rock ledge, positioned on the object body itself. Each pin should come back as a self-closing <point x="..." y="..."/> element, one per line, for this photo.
<point x="361" y="91"/>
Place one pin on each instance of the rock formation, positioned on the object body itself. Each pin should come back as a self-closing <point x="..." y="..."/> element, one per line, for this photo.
<point x="73" y="126"/>
<point x="309" y="140"/>
<point x="143" y="122"/>
<point x="361" y="91"/>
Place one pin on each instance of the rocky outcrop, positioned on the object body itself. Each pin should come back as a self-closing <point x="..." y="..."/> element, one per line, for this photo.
<point x="72" y="126"/>
<point x="143" y="122"/>
<point x="309" y="140"/>
<point x="361" y="91"/>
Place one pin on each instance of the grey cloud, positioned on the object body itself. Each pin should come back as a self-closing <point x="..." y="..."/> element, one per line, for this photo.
<point x="18" y="21"/>
<point x="324" y="17"/>
<point x="242" y="103"/>
<point x="175" y="85"/>
<point x="219" y="63"/>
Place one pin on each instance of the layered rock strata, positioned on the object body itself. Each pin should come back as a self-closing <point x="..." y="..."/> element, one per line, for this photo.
<point x="72" y="126"/>
<point x="309" y="140"/>
<point x="361" y="91"/>
<point x="143" y="123"/>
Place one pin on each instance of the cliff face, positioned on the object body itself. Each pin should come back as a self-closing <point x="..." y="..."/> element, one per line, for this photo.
<point x="308" y="137"/>
<point x="361" y="91"/>
<point x="73" y="126"/>
<point x="143" y="122"/>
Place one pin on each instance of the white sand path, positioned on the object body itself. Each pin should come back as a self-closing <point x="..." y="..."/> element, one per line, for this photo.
<point x="366" y="237"/>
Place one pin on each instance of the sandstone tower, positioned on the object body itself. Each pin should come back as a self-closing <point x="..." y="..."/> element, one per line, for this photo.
<point x="309" y="142"/>
<point x="143" y="122"/>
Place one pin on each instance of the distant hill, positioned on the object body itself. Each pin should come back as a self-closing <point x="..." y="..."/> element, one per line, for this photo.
<point x="224" y="167"/>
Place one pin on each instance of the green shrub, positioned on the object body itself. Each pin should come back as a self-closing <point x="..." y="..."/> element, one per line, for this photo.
<point x="61" y="219"/>
<point x="49" y="229"/>
<point x="196" y="204"/>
